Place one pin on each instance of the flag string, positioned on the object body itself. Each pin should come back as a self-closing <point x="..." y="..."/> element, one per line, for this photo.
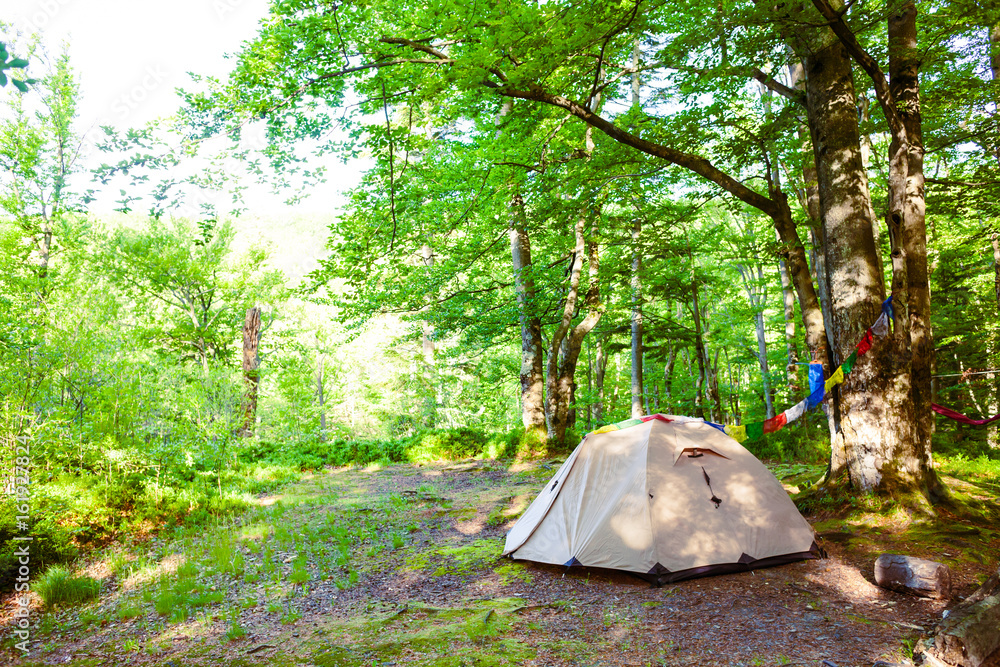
<point x="819" y="387"/>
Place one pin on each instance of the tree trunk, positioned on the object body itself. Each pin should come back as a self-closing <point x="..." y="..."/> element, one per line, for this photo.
<point x="790" y="343"/>
<point x="762" y="361"/>
<point x="879" y="426"/>
<point x="567" y="340"/>
<point x="734" y="391"/>
<point x="600" y="370"/>
<point x="713" y="386"/>
<point x="637" y="408"/>
<point x="668" y="379"/>
<point x="995" y="70"/>
<point x="868" y="437"/>
<point x="906" y="198"/>
<point x="431" y="399"/>
<point x="251" y="370"/>
<point x="809" y="199"/>
<point x="320" y="399"/>
<point x="996" y="266"/>
<point x="532" y="378"/>
<point x="699" y="344"/>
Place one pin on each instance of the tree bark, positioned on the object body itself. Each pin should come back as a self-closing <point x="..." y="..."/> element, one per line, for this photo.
<point x="637" y="393"/>
<point x="251" y="370"/>
<point x="532" y="377"/>
<point x="867" y="437"/>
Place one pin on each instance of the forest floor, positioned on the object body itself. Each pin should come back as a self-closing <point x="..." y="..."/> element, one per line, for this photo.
<point x="401" y="565"/>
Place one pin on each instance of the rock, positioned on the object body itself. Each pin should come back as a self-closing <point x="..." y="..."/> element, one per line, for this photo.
<point x="970" y="635"/>
<point x="907" y="574"/>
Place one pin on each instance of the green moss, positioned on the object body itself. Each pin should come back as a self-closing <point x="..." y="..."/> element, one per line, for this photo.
<point x="514" y="572"/>
<point x="478" y="634"/>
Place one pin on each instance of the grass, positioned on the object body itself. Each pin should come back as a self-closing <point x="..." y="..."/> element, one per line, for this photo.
<point x="58" y="586"/>
<point x="343" y="528"/>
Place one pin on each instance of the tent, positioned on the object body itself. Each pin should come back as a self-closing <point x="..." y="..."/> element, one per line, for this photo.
<point x="670" y="498"/>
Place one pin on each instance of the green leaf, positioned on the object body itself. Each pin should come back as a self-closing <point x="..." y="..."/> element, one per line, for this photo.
<point x="3" y="79"/>
<point x="18" y="62"/>
<point x="20" y="85"/>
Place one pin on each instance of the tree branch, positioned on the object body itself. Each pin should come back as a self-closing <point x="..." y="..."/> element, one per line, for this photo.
<point x="771" y="84"/>
<point x="695" y="163"/>
<point x="867" y="63"/>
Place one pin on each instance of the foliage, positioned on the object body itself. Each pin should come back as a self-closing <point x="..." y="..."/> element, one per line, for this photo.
<point x="9" y="61"/>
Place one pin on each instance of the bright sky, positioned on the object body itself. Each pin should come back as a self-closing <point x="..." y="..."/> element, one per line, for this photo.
<point x="132" y="54"/>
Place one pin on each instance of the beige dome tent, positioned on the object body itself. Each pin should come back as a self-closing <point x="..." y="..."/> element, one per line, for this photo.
<point x="669" y="499"/>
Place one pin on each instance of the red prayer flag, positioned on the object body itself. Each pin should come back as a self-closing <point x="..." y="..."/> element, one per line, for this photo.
<point x="951" y="414"/>
<point x="657" y="416"/>
<point x="775" y="423"/>
<point x="866" y="343"/>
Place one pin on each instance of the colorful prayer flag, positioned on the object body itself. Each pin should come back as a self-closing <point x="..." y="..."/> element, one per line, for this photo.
<point x="755" y="430"/>
<point x="796" y="411"/>
<point x="775" y="423"/>
<point x="887" y="307"/>
<point x="816" y="388"/>
<point x="737" y="433"/>
<point x="865" y="344"/>
<point x="881" y="326"/>
<point x="835" y="379"/>
<point x="848" y="364"/>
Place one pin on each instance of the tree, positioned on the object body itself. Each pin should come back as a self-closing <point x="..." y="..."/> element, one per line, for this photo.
<point x="39" y="152"/>
<point x="473" y="75"/>
<point x="204" y="291"/>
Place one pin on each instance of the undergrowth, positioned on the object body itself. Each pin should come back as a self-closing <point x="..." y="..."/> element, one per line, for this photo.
<point x="58" y="586"/>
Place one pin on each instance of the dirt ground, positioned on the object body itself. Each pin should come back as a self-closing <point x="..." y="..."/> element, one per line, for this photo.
<point x="419" y="581"/>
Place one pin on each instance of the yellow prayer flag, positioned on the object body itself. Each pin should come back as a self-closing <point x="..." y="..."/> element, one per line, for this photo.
<point x="737" y="433"/>
<point x="836" y="378"/>
<point x="607" y="429"/>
